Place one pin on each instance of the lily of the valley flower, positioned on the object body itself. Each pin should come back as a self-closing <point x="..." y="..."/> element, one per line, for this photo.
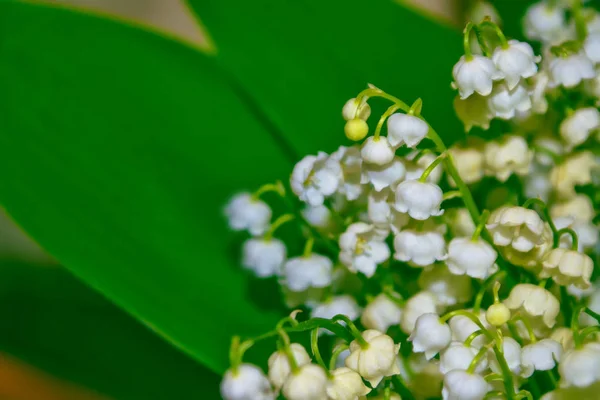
<point x="377" y="360"/>
<point x="430" y="336"/>
<point x="316" y="177"/>
<point x="248" y="382"/>
<point x="475" y="75"/>
<point x="361" y="250"/>
<point x="264" y="257"/>
<point x="245" y="212"/>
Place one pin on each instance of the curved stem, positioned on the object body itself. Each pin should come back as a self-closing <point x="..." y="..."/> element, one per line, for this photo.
<point x="480" y="354"/>
<point x="452" y="194"/>
<point x="467" y="41"/>
<point x="472" y="317"/>
<point x="572" y="233"/>
<point x="314" y="346"/>
<point x="486" y="284"/>
<point x="288" y="351"/>
<point x="528" y="326"/>
<point x="276" y="187"/>
<point x="472" y="337"/>
<point x="353" y="329"/>
<point x="499" y="33"/>
<point x="592" y="314"/>
<point x="482" y="221"/>
<point x="278" y="222"/>
<point x="590" y="330"/>
<point x="336" y="353"/>
<point x="384" y="117"/>
<point x="546" y="212"/>
<point x="431" y="167"/>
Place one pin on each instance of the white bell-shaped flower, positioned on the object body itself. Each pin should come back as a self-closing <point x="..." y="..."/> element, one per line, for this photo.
<point x="382" y="215"/>
<point x="356" y="109"/>
<point x="462" y="327"/>
<point x="579" y="126"/>
<point x="458" y="356"/>
<point x="475" y="74"/>
<point x="551" y="144"/>
<point x="264" y="257"/>
<point x="279" y="364"/>
<point x="377" y="360"/>
<point x="529" y="259"/>
<point x="459" y="221"/>
<point x="448" y="288"/>
<point x="248" y="382"/>
<point x="344" y="304"/>
<point x="346" y="384"/>
<point x="461" y="385"/>
<point x="579" y="208"/>
<point x="545" y="22"/>
<point x="504" y="103"/>
<point x="406" y="129"/>
<point x="419" y="248"/>
<point x="580" y="367"/>
<point x="576" y="170"/>
<point x="475" y="258"/>
<point x="468" y="162"/>
<point x="318" y="216"/>
<point x="308" y="383"/>
<point x="377" y="151"/>
<point x="537" y="185"/>
<point x="564" y="336"/>
<point x="301" y="273"/>
<point x="361" y="250"/>
<point x="540" y="356"/>
<point x="509" y="155"/>
<point x="421" y="303"/>
<point x="245" y="212"/>
<point x="384" y="176"/>
<point x="571" y="70"/>
<point x="534" y="302"/>
<point x="316" y="177"/>
<point x="381" y="313"/>
<point x="420" y="200"/>
<point x="568" y="267"/>
<point x="511" y="349"/>
<point x="518" y="227"/>
<point x="592" y="47"/>
<point x="351" y="162"/>
<point x="430" y="335"/>
<point x="473" y="111"/>
<point x="516" y="61"/>
<point x="539" y="85"/>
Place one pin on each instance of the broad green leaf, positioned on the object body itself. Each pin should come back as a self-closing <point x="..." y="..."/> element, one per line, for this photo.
<point x="54" y="322"/>
<point x="120" y="149"/>
<point x="301" y="60"/>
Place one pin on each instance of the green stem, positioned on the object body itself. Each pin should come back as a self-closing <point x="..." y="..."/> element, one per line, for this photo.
<point x="588" y="331"/>
<point x="472" y="317"/>
<point x="506" y="372"/>
<point x="278" y="222"/>
<point x="480" y="225"/>
<point x="547" y="217"/>
<point x="467" y="41"/>
<point x="431" y="167"/>
<point x="579" y="18"/>
<point x="288" y="351"/>
<point x="314" y="346"/>
<point x="575" y="324"/>
<point x="501" y="274"/>
<point x="472" y="337"/>
<point x="592" y="314"/>
<point x="384" y="117"/>
<point x="528" y="326"/>
<point x="451" y="195"/>
<point x="276" y="187"/>
<point x="353" y="329"/>
<point x="480" y="354"/>
<point x="336" y="353"/>
<point x="572" y="233"/>
<point x="308" y="247"/>
<point x="499" y="33"/>
<point x="400" y="387"/>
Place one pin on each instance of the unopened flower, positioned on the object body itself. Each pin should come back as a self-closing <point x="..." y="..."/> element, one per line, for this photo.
<point x="346" y="384"/>
<point x="361" y="250"/>
<point x="592" y="47"/>
<point x="468" y="162"/>
<point x="420" y="200"/>
<point x="517" y="227"/>
<point x="419" y="304"/>
<point x="264" y="257"/>
<point x="344" y="304"/>
<point x="248" y="382"/>
<point x="578" y="127"/>
<point x="377" y="360"/>
<point x="540" y="356"/>
<point x="497" y="314"/>
<point x="475" y="74"/>
<point x="406" y="129"/>
<point x="245" y="212"/>
<point x="504" y="103"/>
<point x="356" y="109"/>
<point x="462" y="385"/>
<point x="377" y="151"/>
<point x="580" y="367"/>
<point x="419" y="248"/>
<point x="448" y="288"/>
<point x="516" y="61"/>
<point x="568" y="267"/>
<point x="316" y="177"/>
<point x="301" y="273"/>
<point x="279" y="364"/>
<point x="545" y="22"/>
<point x="473" y="111"/>
<point x="509" y="155"/>
<point x="430" y="336"/>
<point x="383" y="176"/>
<point x="308" y="383"/>
<point x="575" y="170"/>
<point x="458" y="356"/>
<point x="534" y="302"/>
<point x="511" y="350"/>
<point x="474" y="258"/>
<point x="569" y="71"/>
<point x="351" y="162"/>
<point x="381" y="313"/>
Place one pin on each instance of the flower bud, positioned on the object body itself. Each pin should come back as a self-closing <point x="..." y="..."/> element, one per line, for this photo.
<point x="353" y="109"/>
<point x="377" y="151"/>
<point x="497" y="314"/>
<point x="375" y="361"/>
<point x="279" y="364"/>
<point x="244" y="212"/>
<point x="308" y="383"/>
<point x="346" y="384"/>
<point x="356" y="129"/>
<point x="430" y="336"/>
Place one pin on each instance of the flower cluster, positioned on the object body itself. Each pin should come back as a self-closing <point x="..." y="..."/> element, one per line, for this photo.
<point x="461" y="272"/>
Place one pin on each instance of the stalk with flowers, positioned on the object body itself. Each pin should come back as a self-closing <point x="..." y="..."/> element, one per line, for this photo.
<point x="462" y="272"/>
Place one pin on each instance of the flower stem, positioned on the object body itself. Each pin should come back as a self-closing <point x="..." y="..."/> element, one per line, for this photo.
<point x="288" y="351"/>
<point x="276" y="187"/>
<point x="308" y="247"/>
<point x="577" y="339"/>
<point x="506" y="372"/>
<point x="384" y="117"/>
<point x="353" y="329"/>
<point x="484" y="287"/>
<point x="499" y="33"/>
<point x="590" y="330"/>
<point x="278" y="222"/>
<point x="431" y="167"/>
<point x="482" y="353"/>
<point x="467" y="41"/>
<point x="592" y="314"/>
<point x="572" y="233"/>
<point x="542" y="204"/>
<point x="314" y="346"/>
<point x="480" y="225"/>
<point x="336" y="353"/>
<point x="580" y="25"/>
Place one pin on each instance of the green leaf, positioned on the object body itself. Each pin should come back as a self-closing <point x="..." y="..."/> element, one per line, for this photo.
<point x="301" y="60"/>
<point x="122" y="148"/>
<point x="56" y="323"/>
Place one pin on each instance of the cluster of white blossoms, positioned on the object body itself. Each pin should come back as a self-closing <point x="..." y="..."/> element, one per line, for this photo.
<point x="466" y="272"/>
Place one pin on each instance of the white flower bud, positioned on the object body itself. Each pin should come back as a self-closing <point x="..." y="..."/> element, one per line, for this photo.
<point x="497" y="314"/>
<point x="468" y="162"/>
<point x="579" y="208"/>
<point x="420" y="200"/>
<point x="568" y="267"/>
<point x="430" y="336"/>
<point x="545" y="22"/>
<point x="448" y="288"/>
<point x="361" y="250"/>
<point x="346" y="384"/>
<point x="421" y="303"/>
<point x="383" y="176"/>
<point x="515" y="62"/>
<point x="534" y="302"/>
<point x="474" y="258"/>
<point x="381" y="313"/>
<point x="377" y="151"/>
<point x="518" y="227"/>
<point x="279" y="364"/>
<point x="475" y="75"/>
<point x="569" y="71"/>
<point x="308" y="383"/>
<point x="540" y="356"/>
<point x="575" y="170"/>
<point x="580" y="367"/>
<point x="592" y="47"/>
<point x="419" y="248"/>
<point x="406" y="129"/>
<point x="301" y="273"/>
<point x="244" y="212"/>
<point x="354" y="109"/>
<point x="578" y="127"/>
<point x="539" y="103"/>
<point x="504" y="102"/>
<point x="247" y="383"/>
<point x="316" y="177"/>
<point x="458" y="356"/>
<point x="511" y="349"/>
<point x="264" y="257"/>
<point x="473" y="111"/>
<point x="377" y="360"/>
<point x="509" y="155"/>
<point x="461" y="385"/>
<point x="345" y="305"/>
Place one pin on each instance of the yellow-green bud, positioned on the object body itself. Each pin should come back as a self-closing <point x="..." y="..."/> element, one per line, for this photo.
<point x="497" y="314"/>
<point x="356" y="129"/>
